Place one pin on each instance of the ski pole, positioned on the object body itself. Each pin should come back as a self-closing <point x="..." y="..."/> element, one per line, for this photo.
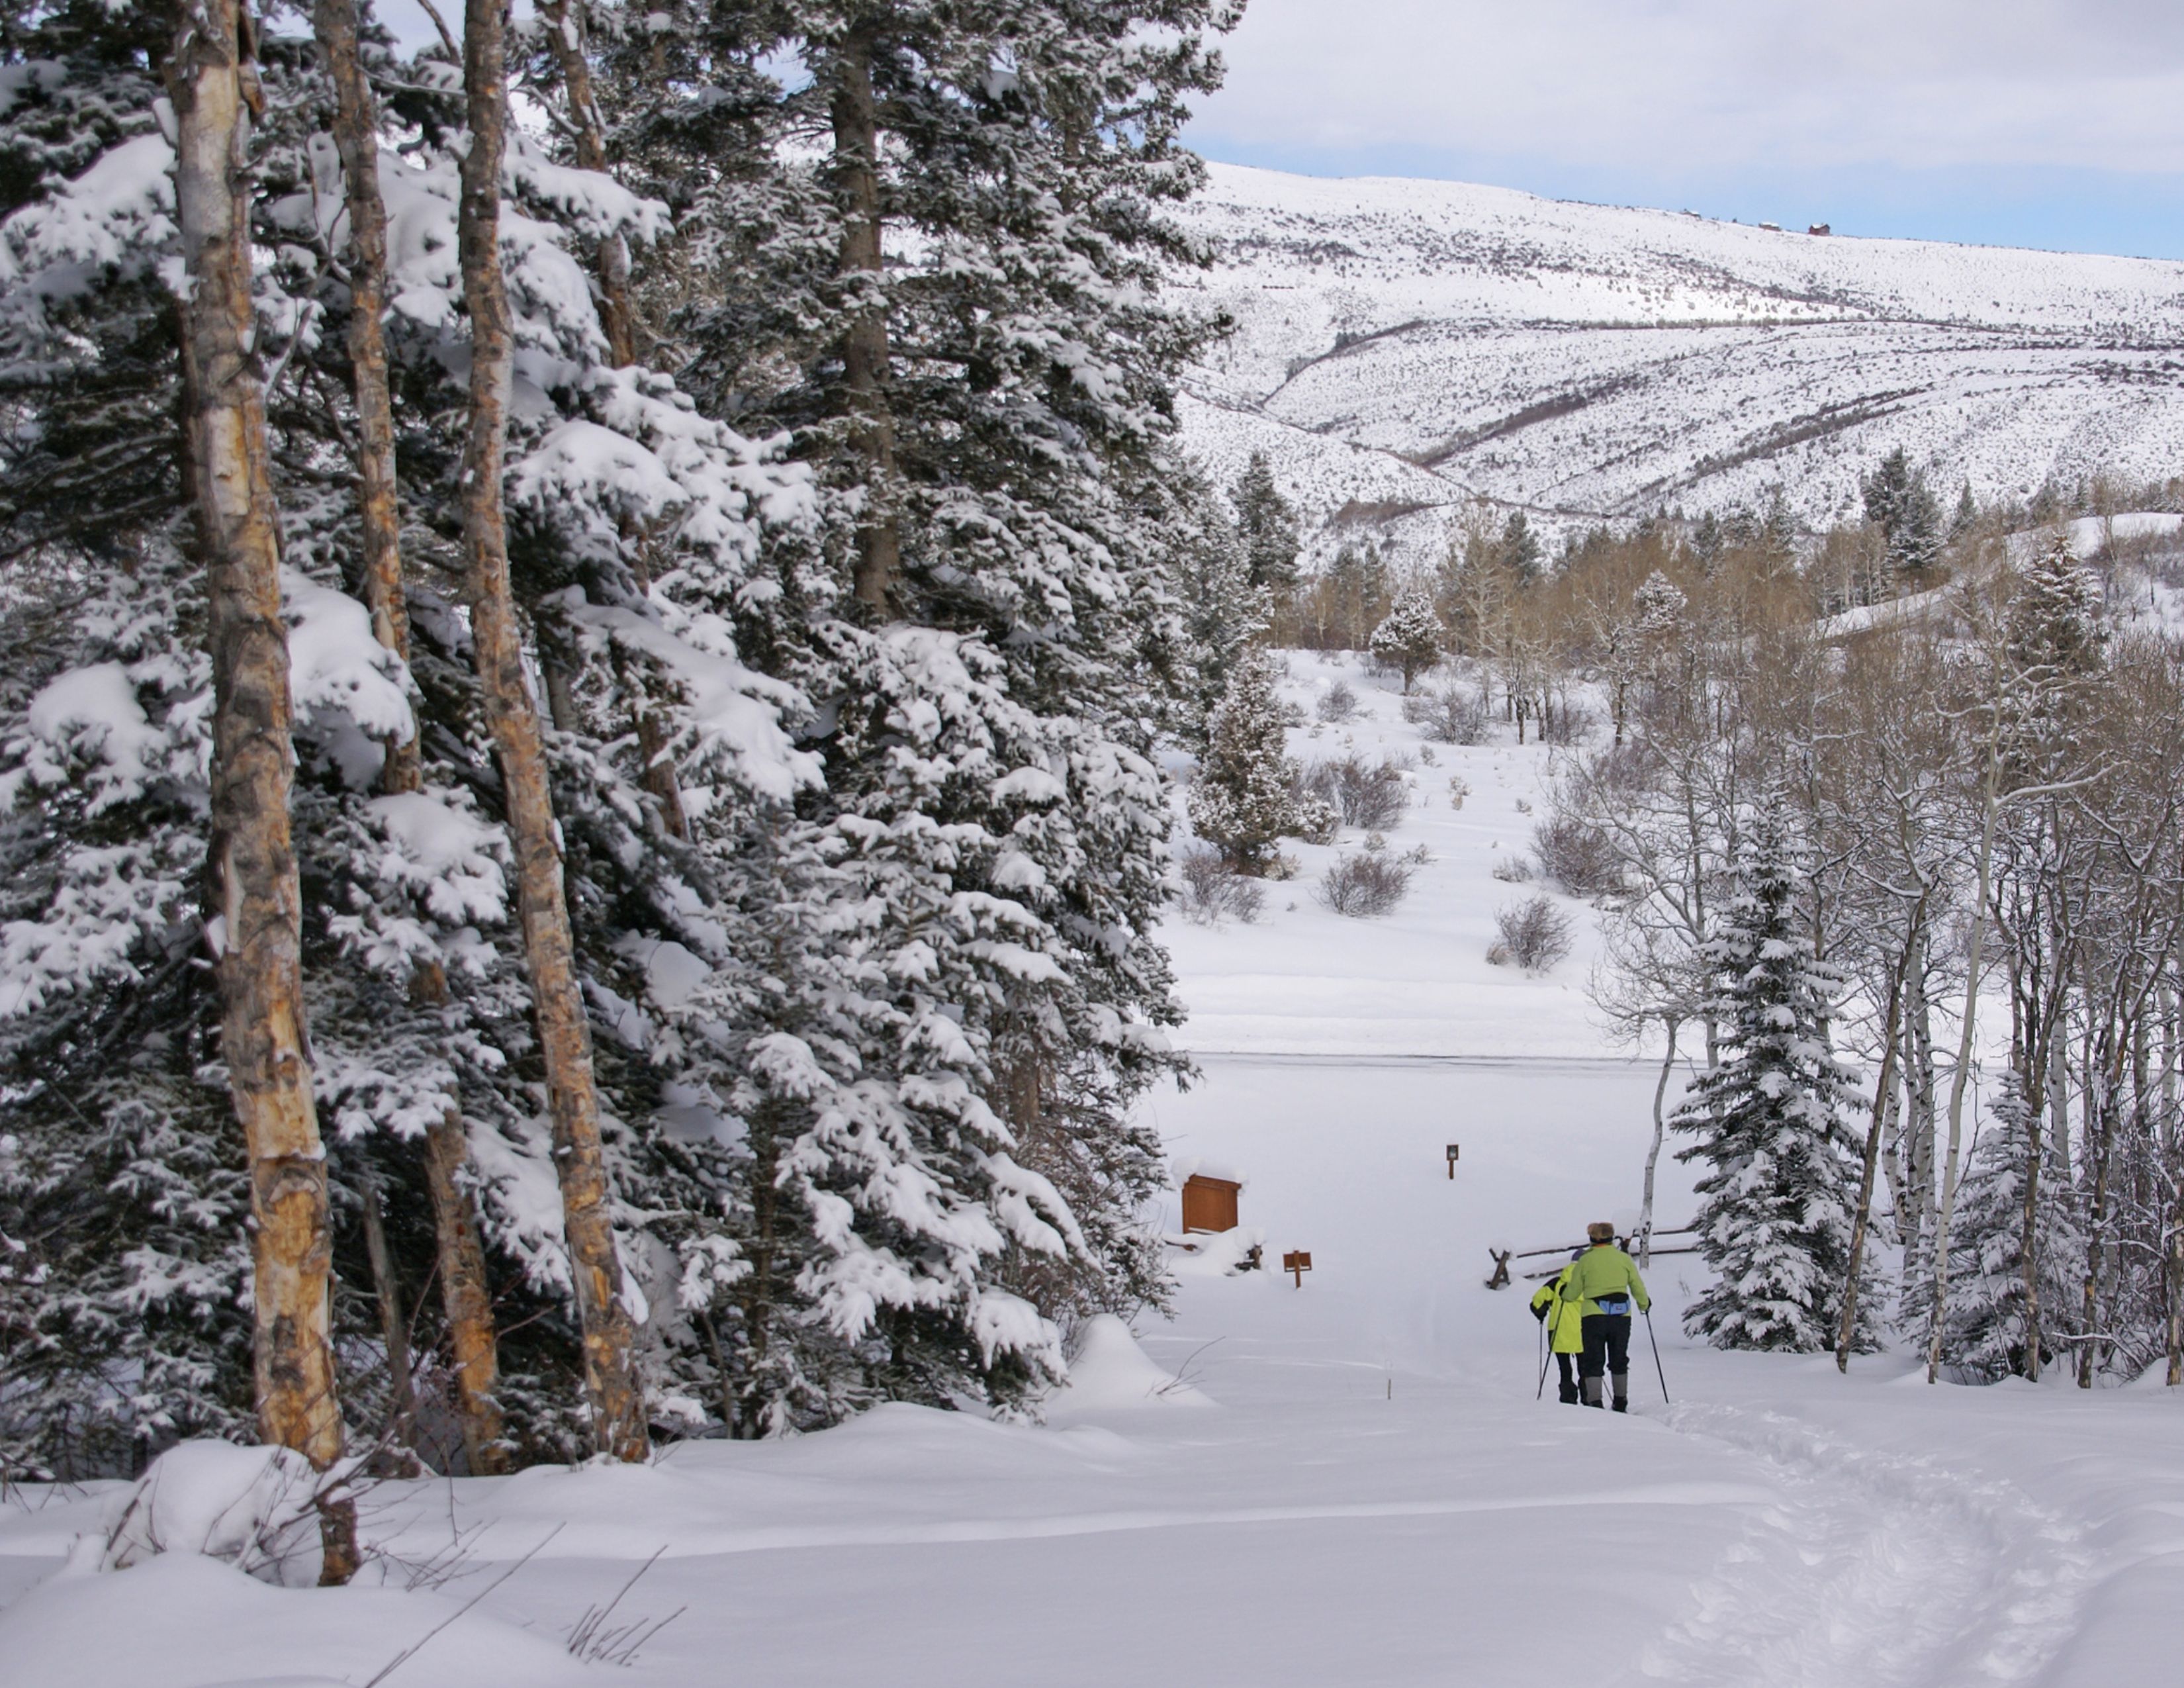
<point x="1655" y="1341"/>
<point x="1540" y="1393"/>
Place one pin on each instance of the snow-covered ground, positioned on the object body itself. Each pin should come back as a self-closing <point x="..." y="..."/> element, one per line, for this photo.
<point x="1355" y="1484"/>
<point x="1403" y="346"/>
<point x="1302" y="980"/>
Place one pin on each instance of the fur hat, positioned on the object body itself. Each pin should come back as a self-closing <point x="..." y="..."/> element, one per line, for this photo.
<point x="1601" y="1231"/>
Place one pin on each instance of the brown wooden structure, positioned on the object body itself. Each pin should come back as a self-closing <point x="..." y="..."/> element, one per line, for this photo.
<point x="1209" y="1204"/>
<point x="1298" y="1261"/>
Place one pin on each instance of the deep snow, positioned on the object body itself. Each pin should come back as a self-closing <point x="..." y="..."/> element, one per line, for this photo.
<point x="1364" y="1491"/>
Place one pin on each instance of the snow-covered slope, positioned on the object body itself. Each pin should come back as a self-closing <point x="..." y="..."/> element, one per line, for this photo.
<point x="1303" y="980"/>
<point x="1417" y="344"/>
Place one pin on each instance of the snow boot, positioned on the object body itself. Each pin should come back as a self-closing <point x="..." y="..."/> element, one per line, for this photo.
<point x="1592" y="1393"/>
<point x="1622" y="1380"/>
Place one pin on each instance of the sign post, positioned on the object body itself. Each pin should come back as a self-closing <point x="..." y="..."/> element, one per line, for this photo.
<point x="1298" y="1261"/>
<point x="1452" y="1149"/>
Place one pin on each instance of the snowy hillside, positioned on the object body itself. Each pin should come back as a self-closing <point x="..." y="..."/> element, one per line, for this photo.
<point x="1403" y="347"/>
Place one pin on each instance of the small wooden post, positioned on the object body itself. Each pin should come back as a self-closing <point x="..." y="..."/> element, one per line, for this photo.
<point x="1500" y="1280"/>
<point x="1452" y="1149"/>
<point x="1298" y="1261"/>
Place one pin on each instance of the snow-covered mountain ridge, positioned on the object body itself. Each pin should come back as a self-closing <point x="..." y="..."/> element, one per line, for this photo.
<point x="1403" y="348"/>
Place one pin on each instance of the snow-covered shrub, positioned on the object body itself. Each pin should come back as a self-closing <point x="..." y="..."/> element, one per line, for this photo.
<point x="1212" y="890"/>
<point x="1580" y="857"/>
<point x="255" y="1508"/>
<point x="1372" y="795"/>
<point x="1338" y="704"/>
<point x="1513" y="870"/>
<point x="1535" y="934"/>
<point x="1318" y="820"/>
<point x="1459" y="788"/>
<point x="1362" y="886"/>
<point x="1449" y="714"/>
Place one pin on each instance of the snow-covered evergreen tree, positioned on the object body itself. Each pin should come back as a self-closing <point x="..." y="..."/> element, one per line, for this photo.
<point x="1409" y="640"/>
<point x="1776" y="1196"/>
<point x="1220" y="608"/>
<point x="1900" y="503"/>
<point x="1244" y="799"/>
<point x="1267" y="524"/>
<point x="952" y="304"/>
<point x="1520" y="552"/>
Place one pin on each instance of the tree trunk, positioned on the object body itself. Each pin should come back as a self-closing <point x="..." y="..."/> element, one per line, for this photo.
<point x="616" y="1401"/>
<point x="564" y="36"/>
<point x="2100" y="1137"/>
<point x="1653" y="1154"/>
<point x="1847" y="1331"/>
<point x="2172" y="1276"/>
<point x="1975" y="947"/>
<point x="256" y="931"/>
<point x="866" y="357"/>
<point x="472" y="1339"/>
<point x="393" y="1327"/>
<point x="2036" y="1062"/>
<point x="356" y="137"/>
<point x="1919" y="1104"/>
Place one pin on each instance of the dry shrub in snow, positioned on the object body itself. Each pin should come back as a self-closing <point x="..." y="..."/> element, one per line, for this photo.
<point x="1534" y="935"/>
<point x="254" y="1507"/>
<point x="1513" y="870"/>
<point x="1577" y="855"/>
<point x="1211" y="889"/>
<point x="1338" y="704"/>
<point x="1564" y="721"/>
<point x="1454" y="715"/>
<point x="1371" y="882"/>
<point x="1365" y="794"/>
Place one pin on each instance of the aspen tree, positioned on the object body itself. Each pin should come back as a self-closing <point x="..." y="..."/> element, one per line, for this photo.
<point x="257" y="929"/>
<point x="461" y="1254"/>
<point x="611" y="1380"/>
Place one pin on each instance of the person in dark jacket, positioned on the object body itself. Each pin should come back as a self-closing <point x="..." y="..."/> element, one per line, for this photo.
<point x="1604" y="1281"/>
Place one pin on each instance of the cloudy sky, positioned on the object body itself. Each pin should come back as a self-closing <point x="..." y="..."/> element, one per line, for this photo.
<point x="2056" y="123"/>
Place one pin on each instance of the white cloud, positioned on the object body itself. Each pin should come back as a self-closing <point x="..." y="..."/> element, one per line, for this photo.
<point x="1679" y="84"/>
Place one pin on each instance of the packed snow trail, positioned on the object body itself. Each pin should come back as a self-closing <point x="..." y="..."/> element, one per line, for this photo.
<point x="1872" y="1569"/>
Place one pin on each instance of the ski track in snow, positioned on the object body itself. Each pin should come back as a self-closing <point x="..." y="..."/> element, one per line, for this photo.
<point x="1873" y="1568"/>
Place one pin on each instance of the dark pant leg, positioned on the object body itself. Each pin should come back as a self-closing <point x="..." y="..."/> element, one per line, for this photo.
<point x="1566" y="1368"/>
<point x="1594" y="1361"/>
<point x="1618" y="1356"/>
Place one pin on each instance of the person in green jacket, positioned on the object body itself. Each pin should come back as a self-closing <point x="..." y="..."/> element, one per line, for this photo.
<point x="1604" y="1281"/>
<point x="1564" y="1317"/>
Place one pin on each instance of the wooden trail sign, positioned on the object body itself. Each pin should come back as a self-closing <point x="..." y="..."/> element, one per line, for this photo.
<point x="1452" y="1149"/>
<point x="1209" y="1204"/>
<point x="1298" y="1261"/>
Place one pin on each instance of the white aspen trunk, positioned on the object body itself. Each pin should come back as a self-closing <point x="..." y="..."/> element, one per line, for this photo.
<point x="1653" y="1154"/>
<point x="257" y="929"/>
<point x="1975" y="949"/>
